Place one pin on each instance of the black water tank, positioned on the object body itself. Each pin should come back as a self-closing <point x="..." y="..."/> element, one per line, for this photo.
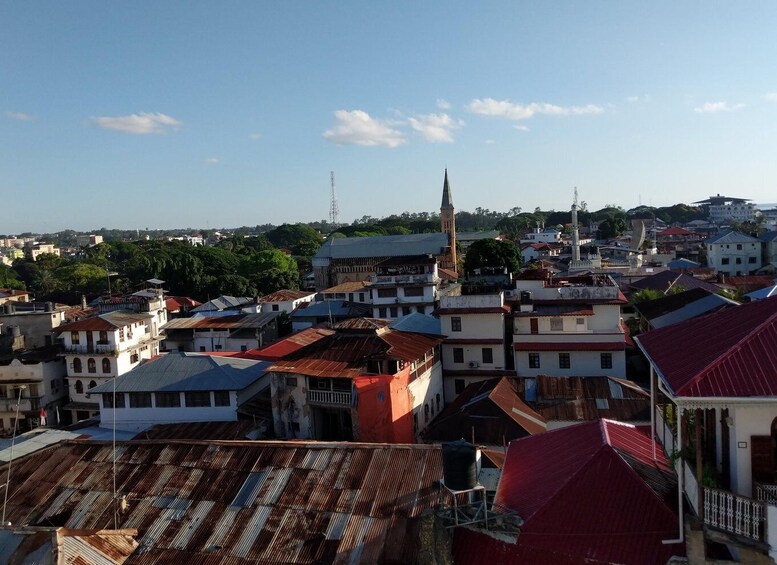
<point x="458" y="465"/>
<point x="526" y="297"/>
<point x="48" y="307"/>
<point x="15" y="331"/>
<point x="9" y="307"/>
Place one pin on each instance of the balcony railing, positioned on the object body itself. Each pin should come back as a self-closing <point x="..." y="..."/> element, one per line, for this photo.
<point x="766" y="492"/>
<point x="734" y="514"/>
<point x="86" y="349"/>
<point x="331" y="397"/>
<point x="403" y="279"/>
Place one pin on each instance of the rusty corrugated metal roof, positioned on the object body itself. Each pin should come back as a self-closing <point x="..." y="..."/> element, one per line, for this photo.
<point x="286" y="295"/>
<point x="236" y="321"/>
<point x="226" y="502"/>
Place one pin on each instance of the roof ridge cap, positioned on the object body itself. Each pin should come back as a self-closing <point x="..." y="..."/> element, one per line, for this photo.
<point x="733" y="349"/>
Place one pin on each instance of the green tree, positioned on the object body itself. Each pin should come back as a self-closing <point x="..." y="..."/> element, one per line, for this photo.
<point x="492" y="253"/>
<point x="289" y="236"/>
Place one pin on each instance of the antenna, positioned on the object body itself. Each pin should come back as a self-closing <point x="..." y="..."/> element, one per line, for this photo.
<point x="334" y="211"/>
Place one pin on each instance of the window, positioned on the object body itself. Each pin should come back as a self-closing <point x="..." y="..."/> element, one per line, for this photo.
<point x="406" y="311"/>
<point x="556" y="324"/>
<point x="606" y="360"/>
<point x="415" y="423"/>
<point x="75" y="338"/>
<point x="459" y="385"/>
<point x="91" y="365"/>
<point x="751" y="260"/>
<point x="197" y="399"/>
<point x="488" y="355"/>
<point x="134" y="358"/>
<point x="724" y="261"/>
<point x="387" y="293"/>
<point x="140" y="399"/>
<point x="534" y="360"/>
<point x="92" y="384"/>
<point x="361" y="297"/>
<point x="79" y="387"/>
<point x="121" y="334"/>
<point x="106" y="365"/>
<point x="275" y="307"/>
<point x="381" y="312"/>
<point x="394" y="312"/>
<point x="291" y="381"/>
<point x="456" y="324"/>
<point x="103" y="338"/>
<point x="739" y="260"/>
<point x="414" y="291"/>
<point x="739" y="247"/>
<point x="202" y="348"/>
<point x="564" y="361"/>
<point x="168" y="399"/>
<point x="580" y="321"/>
<point x="426" y="413"/>
<point x="108" y="400"/>
<point x="221" y="398"/>
<point x="458" y="355"/>
<point x="77" y="367"/>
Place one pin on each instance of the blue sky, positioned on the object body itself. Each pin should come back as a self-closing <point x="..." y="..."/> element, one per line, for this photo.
<point x="214" y="114"/>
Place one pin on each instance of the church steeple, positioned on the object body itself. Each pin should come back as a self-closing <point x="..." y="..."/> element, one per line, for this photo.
<point x="448" y="225"/>
<point x="447" y="200"/>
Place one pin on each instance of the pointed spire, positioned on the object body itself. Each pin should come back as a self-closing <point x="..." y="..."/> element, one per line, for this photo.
<point x="447" y="200"/>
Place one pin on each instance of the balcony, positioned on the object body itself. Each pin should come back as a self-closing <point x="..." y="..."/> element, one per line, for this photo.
<point x="390" y="280"/>
<point x="26" y="404"/>
<point x="330" y="397"/>
<point x="106" y="349"/>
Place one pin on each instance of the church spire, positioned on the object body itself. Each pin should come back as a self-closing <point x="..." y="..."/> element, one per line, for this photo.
<point x="447" y="200"/>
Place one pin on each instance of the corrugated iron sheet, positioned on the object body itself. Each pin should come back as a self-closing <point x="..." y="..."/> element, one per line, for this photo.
<point x="237" y="502"/>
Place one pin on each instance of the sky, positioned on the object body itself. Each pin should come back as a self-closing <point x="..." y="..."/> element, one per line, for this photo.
<point x="223" y="114"/>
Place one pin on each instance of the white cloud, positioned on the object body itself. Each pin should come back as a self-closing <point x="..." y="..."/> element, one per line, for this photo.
<point x="212" y="160"/>
<point x="255" y="136"/>
<point x="435" y="128"/>
<point x="490" y="141"/>
<point x="632" y="99"/>
<point x="717" y="107"/>
<point x="521" y="128"/>
<point x="357" y="127"/>
<point x="512" y="111"/>
<point x="443" y="104"/>
<point x="21" y="116"/>
<point x="771" y="97"/>
<point x="142" y="123"/>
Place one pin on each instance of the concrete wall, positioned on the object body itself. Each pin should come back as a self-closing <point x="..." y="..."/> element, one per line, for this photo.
<point x="586" y="363"/>
<point x="716" y="252"/>
<point x="424" y="391"/>
<point x="748" y="421"/>
<point x="34" y="326"/>
<point x="473" y="353"/>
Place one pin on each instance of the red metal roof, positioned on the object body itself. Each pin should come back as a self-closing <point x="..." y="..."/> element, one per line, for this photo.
<point x="571" y="346"/>
<point x="592" y="491"/>
<point x="730" y="353"/>
<point x="286" y="295"/>
<point x="674" y="231"/>
<point x="289" y="345"/>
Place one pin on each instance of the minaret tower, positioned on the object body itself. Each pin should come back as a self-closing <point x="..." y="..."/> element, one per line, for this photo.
<point x="448" y="222"/>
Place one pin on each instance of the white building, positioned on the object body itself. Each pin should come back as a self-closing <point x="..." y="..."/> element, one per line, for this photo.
<point x="180" y="387"/>
<point x="714" y="387"/>
<point x="473" y="319"/>
<point x="103" y="347"/>
<point x="401" y="286"/>
<point x="285" y="300"/>
<point x="734" y="253"/>
<point x="568" y="326"/>
<point x="236" y="332"/>
<point x="33" y="249"/>
<point x="41" y="381"/>
<point x="727" y="209"/>
<point x="539" y="235"/>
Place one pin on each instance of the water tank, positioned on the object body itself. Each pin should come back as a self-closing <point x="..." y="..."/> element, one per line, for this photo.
<point x="48" y="307"/>
<point x="458" y="465"/>
<point x="15" y="331"/>
<point x="9" y="307"/>
<point x="526" y="297"/>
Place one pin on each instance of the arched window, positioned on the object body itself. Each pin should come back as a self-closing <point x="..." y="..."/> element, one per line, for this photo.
<point x="438" y="401"/>
<point x="91" y="365"/>
<point x="79" y="387"/>
<point x="92" y="384"/>
<point x="426" y="413"/>
<point x="77" y="368"/>
<point x="106" y="365"/>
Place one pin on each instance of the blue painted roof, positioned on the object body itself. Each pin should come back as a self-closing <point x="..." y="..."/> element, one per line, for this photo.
<point x="185" y="372"/>
<point x="417" y="323"/>
<point x="337" y="309"/>
<point x="762" y="293"/>
<point x="683" y="263"/>
<point x="732" y="237"/>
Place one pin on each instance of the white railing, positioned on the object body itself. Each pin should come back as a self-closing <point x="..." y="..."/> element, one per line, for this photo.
<point x="766" y="492"/>
<point x="734" y="514"/>
<point x="330" y="397"/>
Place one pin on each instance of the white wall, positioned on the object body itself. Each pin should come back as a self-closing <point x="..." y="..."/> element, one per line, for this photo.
<point x="424" y="390"/>
<point x="748" y="421"/>
<point x="473" y="353"/>
<point x="587" y="363"/>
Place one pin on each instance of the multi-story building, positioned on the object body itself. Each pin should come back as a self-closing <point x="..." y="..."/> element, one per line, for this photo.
<point x="285" y="300"/>
<point x="103" y="347"/>
<point x="362" y="382"/>
<point x="36" y="321"/>
<point x="403" y="285"/>
<point x="568" y="326"/>
<point x="727" y="209"/>
<point x="33" y="249"/>
<point x="88" y="240"/>
<point x="473" y="319"/>
<point x="238" y="332"/>
<point x="35" y="380"/>
<point x="769" y="257"/>
<point x="734" y="253"/>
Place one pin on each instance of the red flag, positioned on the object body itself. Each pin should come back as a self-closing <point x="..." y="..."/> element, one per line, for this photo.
<point x="42" y="416"/>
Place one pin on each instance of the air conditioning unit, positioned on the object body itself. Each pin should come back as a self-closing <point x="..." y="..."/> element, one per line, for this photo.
<point x="473" y="364"/>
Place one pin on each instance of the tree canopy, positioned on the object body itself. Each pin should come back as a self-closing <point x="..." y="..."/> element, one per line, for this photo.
<point x="492" y="253"/>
